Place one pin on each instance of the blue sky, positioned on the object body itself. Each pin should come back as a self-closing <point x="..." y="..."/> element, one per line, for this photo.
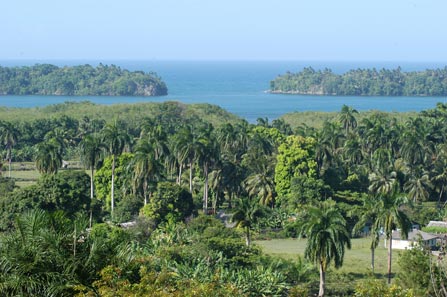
<point x="343" y="30"/>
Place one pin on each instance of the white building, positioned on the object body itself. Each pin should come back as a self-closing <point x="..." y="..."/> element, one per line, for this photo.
<point x="414" y="237"/>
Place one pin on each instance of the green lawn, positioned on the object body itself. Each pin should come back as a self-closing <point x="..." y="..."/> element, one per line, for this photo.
<point x="357" y="261"/>
<point x="25" y="173"/>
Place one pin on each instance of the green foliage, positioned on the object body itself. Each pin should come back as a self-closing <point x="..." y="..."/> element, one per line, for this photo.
<point x="306" y="190"/>
<point x="16" y="203"/>
<point x="380" y="288"/>
<point x="128" y="208"/>
<point x="435" y="229"/>
<point x="415" y="271"/>
<point x="66" y="191"/>
<point x="363" y="82"/>
<point x="326" y="233"/>
<point x="170" y="201"/>
<point x="42" y="256"/>
<point x="109" y="240"/>
<point x="295" y="158"/>
<point x="46" y="79"/>
<point x="7" y="185"/>
<point x="103" y="177"/>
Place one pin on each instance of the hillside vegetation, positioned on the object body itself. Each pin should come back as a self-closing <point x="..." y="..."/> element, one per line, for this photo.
<point x="83" y="80"/>
<point x="363" y="82"/>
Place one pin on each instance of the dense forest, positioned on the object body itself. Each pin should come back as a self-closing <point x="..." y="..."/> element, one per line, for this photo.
<point x="83" y="80"/>
<point x="169" y="203"/>
<point x="363" y="82"/>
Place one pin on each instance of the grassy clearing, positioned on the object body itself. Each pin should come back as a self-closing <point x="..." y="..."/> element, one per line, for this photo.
<point x="357" y="261"/>
<point x="25" y="173"/>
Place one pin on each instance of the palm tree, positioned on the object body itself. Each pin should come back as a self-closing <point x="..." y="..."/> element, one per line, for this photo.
<point x="92" y="149"/>
<point x="116" y="139"/>
<point x="382" y="181"/>
<point x="185" y="147"/>
<point x="247" y="211"/>
<point x="8" y="137"/>
<point x="261" y="182"/>
<point x="418" y="185"/>
<point x="327" y="235"/>
<point x="146" y="168"/>
<point x="207" y="155"/>
<point x="390" y="216"/>
<point x="157" y="136"/>
<point x="347" y="119"/>
<point x="48" y="157"/>
<point x="367" y="214"/>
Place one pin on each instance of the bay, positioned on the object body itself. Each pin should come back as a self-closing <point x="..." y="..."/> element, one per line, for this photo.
<point x="237" y="86"/>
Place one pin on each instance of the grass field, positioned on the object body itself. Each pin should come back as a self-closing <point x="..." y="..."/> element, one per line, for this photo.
<point x="357" y="261"/>
<point x="25" y="173"/>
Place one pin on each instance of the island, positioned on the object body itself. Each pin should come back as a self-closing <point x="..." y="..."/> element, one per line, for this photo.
<point x="82" y="80"/>
<point x="362" y="82"/>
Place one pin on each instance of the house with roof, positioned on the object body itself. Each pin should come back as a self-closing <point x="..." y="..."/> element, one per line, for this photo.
<point x="415" y="237"/>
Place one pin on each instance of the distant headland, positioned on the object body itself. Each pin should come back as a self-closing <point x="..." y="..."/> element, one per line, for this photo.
<point x="82" y="80"/>
<point x="362" y="82"/>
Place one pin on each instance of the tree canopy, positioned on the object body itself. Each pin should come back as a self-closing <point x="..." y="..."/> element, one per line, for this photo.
<point x="82" y="80"/>
<point x="363" y="82"/>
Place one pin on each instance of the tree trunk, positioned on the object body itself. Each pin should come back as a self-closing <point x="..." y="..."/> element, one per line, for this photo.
<point x="9" y="161"/>
<point x="91" y="184"/>
<point x="390" y="250"/>
<point x="247" y="236"/>
<point x="190" y="176"/>
<point x="112" y="202"/>
<point x="322" y="280"/>
<point x="91" y="197"/>
<point x="179" y="179"/>
<point x="145" y="192"/>
<point x="372" y="259"/>
<point x="205" y="190"/>
<point x="216" y="197"/>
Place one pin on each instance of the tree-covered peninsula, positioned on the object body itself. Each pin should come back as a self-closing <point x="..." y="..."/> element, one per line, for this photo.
<point x="82" y="80"/>
<point x="363" y="82"/>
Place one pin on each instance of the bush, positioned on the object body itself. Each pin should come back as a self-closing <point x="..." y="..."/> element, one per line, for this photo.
<point x="170" y="201"/>
<point x="376" y="287"/>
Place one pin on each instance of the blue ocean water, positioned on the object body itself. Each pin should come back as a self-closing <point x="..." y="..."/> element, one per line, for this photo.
<point x="238" y="86"/>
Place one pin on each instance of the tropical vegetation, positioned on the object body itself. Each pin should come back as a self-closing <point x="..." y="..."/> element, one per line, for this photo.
<point x="363" y="82"/>
<point x="82" y="80"/>
<point x="169" y="200"/>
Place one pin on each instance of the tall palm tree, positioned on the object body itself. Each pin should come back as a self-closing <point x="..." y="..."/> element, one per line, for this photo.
<point x="146" y="168"/>
<point x="247" y="211"/>
<point x="261" y="182"/>
<point x="382" y="181"/>
<point x="116" y="139"/>
<point x="185" y="147"/>
<point x="8" y="136"/>
<point x="390" y="216"/>
<point x="207" y="154"/>
<point x="92" y="149"/>
<point x="327" y="235"/>
<point x="157" y="136"/>
<point x="418" y="185"/>
<point x="367" y="214"/>
<point x="48" y="157"/>
<point x="347" y="119"/>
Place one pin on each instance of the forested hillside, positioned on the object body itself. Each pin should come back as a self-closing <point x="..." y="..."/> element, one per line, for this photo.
<point x="83" y="80"/>
<point x="363" y="82"/>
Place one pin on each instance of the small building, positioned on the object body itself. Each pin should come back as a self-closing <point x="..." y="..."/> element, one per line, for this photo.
<point x="414" y="237"/>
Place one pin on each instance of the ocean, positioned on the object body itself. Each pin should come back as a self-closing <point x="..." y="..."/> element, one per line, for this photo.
<point x="237" y="86"/>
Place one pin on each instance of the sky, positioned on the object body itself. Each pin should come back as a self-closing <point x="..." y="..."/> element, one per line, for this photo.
<point x="318" y="30"/>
